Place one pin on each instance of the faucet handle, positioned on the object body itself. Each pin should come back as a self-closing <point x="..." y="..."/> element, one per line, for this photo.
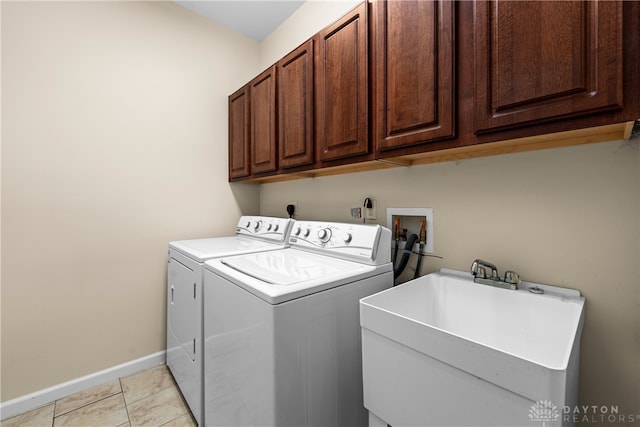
<point x="479" y="268"/>
<point x="475" y="269"/>
<point x="511" y="277"/>
<point x="480" y="273"/>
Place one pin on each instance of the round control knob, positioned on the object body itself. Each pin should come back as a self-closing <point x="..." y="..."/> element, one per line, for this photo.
<point x="298" y="231"/>
<point x="347" y="237"/>
<point x="307" y="232"/>
<point x="247" y="224"/>
<point x="269" y="227"/>
<point x="257" y="225"/>
<point x="324" y="235"/>
<point x="275" y="227"/>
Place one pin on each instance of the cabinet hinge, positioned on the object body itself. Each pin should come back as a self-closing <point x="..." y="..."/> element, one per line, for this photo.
<point x="194" y="291"/>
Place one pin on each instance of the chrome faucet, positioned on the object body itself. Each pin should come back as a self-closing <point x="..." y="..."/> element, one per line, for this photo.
<point x="479" y="271"/>
<point x="478" y="268"/>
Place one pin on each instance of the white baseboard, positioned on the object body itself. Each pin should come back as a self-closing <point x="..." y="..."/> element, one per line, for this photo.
<point x="25" y="403"/>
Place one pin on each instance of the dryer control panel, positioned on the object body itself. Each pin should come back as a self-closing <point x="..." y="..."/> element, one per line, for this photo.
<point x="359" y="242"/>
<point x="270" y="228"/>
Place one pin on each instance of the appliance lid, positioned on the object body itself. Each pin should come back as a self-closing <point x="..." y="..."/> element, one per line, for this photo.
<point x="204" y="249"/>
<point x="290" y="267"/>
<point x="285" y="274"/>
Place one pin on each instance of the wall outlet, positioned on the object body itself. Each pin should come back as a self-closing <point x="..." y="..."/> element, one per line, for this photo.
<point x="370" y="213"/>
<point x="356" y="213"/>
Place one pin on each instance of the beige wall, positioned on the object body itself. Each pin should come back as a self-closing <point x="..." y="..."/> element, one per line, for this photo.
<point x="114" y="142"/>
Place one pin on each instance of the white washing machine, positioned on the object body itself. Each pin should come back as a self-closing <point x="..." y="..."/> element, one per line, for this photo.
<point x="282" y="331"/>
<point x="185" y="296"/>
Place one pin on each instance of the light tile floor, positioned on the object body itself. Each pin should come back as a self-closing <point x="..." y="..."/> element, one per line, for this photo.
<point x="150" y="398"/>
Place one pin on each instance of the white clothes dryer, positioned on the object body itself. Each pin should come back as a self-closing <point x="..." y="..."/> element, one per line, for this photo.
<point x="185" y="296"/>
<point x="282" y="330"/>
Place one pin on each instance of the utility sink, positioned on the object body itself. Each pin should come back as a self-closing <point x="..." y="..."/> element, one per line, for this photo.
<point x="442" y="350"/>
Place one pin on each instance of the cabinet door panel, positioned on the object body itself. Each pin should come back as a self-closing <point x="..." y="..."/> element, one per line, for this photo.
<point x="295" y="107"/>
<point x="542" y="60"/>
<point x="414" y="79"/>
<point x="239" y="134"/>
<point x="263" y="122"/>
<point x="342" y="86"/>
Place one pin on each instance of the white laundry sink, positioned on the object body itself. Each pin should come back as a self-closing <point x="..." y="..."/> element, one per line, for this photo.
<point x="443" y="350"/>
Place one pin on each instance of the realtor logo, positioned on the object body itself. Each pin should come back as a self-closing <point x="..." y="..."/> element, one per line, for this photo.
<point x="544" y="411"/>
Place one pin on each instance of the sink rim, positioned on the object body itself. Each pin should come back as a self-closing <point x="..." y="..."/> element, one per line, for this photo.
<point x="551" y="292"/>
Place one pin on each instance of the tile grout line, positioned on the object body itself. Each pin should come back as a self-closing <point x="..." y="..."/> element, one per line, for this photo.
<point x="85" y="405"/>
<point x="126" y="407"/>
<point x="148" y="395"/>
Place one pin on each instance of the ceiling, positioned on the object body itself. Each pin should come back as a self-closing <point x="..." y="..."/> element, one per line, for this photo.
<point x="254" y="18"/>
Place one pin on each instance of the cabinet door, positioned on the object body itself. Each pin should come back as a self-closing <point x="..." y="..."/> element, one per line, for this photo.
<point x="239" y="134"/>
<point x="341" y="87"/>
<point x="263" y="122"/>
<point x="542" y="60"/>
<point x="414" y="72"/>
<point x="295" y="107"/>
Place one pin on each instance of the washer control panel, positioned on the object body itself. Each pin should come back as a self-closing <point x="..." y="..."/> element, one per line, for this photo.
<point x="270" y="228"/>
<point x="355" y="241"/>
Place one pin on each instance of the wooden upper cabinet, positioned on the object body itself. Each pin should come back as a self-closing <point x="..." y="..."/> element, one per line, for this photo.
<point x="263" y="122"/>
<point x="295" y="107"/>
<point x="239" y="134"/>
<point x="542" y="60"/>
<point x="414" y="72"/>
<point x="342" y="87"/>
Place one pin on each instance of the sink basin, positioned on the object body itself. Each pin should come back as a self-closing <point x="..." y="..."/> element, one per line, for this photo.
<point x="443" y="350"/>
